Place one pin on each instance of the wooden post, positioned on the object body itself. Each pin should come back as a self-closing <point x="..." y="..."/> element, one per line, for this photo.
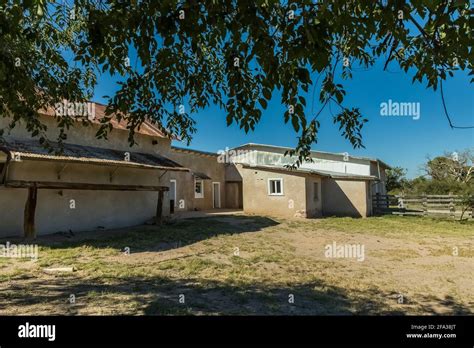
<point x="425" y="205"/>
<point x="159" y="209"/>
<point x="451" y="205"/>
<point x="401" y="203"/>
<point x="29" y="214"/>
<point x="377" y="204"/>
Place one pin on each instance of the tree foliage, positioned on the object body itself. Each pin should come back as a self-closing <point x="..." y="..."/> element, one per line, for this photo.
<point x="449" y="173"/>
<point x="458" y="167"/>
<point x="234" y="54"/>
<point x="395" y="179"/>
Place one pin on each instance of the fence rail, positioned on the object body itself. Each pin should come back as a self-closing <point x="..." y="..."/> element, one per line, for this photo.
<point x="451" y="205"/>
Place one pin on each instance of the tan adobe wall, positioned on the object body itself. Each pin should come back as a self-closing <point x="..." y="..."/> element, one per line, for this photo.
<point x="81" y="135"/>
<point x="93" y="209"/>
<point x="185" y="181"/>
<point x="345" y="198"/>
<point x="256" y="199"/>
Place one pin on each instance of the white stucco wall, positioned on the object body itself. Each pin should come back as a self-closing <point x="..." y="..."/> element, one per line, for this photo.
<point x="352" y="166"/>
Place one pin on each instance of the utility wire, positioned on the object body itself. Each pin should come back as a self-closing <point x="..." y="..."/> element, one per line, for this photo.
<point x="446" y="110"/>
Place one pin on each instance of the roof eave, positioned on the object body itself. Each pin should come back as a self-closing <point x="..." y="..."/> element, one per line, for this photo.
<point x="84" y="160"/>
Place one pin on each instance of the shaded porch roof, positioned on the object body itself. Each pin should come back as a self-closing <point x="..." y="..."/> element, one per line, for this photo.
<point x="30" y="149"/>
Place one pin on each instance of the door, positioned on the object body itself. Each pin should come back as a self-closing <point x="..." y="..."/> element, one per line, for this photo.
<point x="233" y="195"/>
<point x="216" y="194"/>
<point x="172" y="195"/>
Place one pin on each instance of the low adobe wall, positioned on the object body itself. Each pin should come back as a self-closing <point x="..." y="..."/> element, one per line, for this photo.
<point x="345" y="197"/>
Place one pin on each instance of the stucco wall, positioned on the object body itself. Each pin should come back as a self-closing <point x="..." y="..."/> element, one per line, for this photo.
<point x="256" y="199"/>
<point x="185" y="181"/>
<point x="93" y="209"/>
<point x="344" y="198"/>
<point x="107" y="209"/>
<point x="81" y="135"/>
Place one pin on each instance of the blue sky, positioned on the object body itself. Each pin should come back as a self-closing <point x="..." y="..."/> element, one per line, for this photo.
<point x="399" y="141"/>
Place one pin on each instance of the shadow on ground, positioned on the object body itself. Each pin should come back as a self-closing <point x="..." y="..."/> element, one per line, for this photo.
<point x="168" y="236"/>
<point x="161" y="296"/>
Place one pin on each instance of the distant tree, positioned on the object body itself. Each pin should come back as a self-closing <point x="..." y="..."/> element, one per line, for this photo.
<point x="467" y="201"/>
<point x="458" y="167"/>
<point x="395" y="179"/>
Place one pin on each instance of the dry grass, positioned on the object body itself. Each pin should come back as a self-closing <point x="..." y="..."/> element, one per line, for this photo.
<point x="250" y="265"/>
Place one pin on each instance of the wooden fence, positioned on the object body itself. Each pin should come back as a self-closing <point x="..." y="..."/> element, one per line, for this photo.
<point x="426" y="205"/>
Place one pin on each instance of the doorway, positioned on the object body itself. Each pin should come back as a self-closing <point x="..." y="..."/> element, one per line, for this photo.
<point x="216" y="194"/>
<point x="172" y="195"/>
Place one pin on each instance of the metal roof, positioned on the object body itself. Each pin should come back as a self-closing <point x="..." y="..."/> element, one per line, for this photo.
<point x="323" y="173"/>
<point x="199" y="152"/>
<point x="32" y="150"/>
<point x="200" y="175"/>
<point x="312" y="151"/>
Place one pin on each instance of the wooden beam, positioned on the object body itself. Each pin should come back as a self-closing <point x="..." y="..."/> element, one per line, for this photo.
<point x="81" y="186"/>
<point x="29" y="214"/>
<point x="159" y="209"/>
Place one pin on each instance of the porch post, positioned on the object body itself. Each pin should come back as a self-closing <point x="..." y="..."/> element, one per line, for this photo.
<point x="159" y="208"/>
<point x="29" y="213"/>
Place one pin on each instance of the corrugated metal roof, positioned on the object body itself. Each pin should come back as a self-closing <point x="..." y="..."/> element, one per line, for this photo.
<point x="200" y="175"/>
<point x="199" y="152"/>
<point x="32" y="150"/>
<point x="323" y="173"/>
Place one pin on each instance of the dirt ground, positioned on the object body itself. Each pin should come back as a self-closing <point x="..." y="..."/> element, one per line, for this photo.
<point x="242" y="265"/>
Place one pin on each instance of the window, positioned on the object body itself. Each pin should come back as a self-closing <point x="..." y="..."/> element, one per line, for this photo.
<point x="315" y="191"/>
<point x="275" y="187"/>
<point x="199" y="189"/>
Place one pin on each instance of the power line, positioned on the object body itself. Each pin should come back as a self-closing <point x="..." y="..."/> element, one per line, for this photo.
<point x="446" y="110"/>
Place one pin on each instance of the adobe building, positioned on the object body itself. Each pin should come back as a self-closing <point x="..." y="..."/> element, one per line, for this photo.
<point x="94" y="184"/>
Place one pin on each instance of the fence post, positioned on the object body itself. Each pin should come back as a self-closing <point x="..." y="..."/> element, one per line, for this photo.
<point x="425" y="204"/>
<point x="377" y="197"/>
<point x="400" y="202"/>
<point x="451" y="205"/>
